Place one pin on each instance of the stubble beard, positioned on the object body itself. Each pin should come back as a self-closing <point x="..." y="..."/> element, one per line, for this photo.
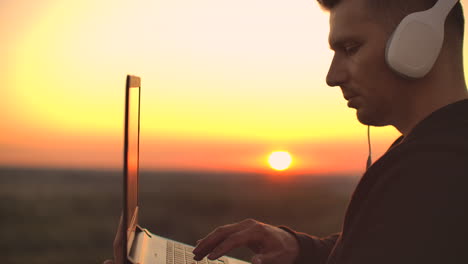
<point x="369" y="117"/>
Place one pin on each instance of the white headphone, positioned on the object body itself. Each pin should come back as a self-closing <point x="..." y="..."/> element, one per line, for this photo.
<point x="415" y="44"/>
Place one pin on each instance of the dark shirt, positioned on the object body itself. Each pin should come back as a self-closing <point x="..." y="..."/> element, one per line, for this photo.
<point x="411" y="206"/>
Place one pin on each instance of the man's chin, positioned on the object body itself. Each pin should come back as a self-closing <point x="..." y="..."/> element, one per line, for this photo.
<point x="368" y="119"/>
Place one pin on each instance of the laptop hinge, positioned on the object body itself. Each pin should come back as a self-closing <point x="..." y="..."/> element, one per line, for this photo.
<point x="139" y="246"/>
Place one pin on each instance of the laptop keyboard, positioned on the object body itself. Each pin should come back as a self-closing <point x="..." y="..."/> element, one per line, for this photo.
<point x="178" y="253"/>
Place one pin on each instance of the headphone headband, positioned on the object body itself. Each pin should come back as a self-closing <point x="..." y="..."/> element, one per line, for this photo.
<point x="443" y="7"/>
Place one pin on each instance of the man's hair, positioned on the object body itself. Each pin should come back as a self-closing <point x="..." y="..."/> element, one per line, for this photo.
<point x="391" y="12"/>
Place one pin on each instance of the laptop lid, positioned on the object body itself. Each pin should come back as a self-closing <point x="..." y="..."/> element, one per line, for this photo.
<point x="131" y="161"/>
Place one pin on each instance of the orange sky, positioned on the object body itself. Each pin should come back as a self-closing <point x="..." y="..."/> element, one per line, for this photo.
<point x="224" y="83"/>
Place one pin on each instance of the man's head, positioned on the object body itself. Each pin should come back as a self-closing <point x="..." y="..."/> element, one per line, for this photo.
<point x="390" y="13"/>
<point x="359" y="31"/>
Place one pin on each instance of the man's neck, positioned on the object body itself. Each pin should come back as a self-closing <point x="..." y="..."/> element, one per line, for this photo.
<point x="430" y="98"/>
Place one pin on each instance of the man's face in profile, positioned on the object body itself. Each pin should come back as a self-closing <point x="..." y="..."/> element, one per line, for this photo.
<point x="358" y="65"/>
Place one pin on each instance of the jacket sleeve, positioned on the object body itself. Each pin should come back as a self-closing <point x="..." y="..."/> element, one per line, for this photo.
<point x="312" y="249"/>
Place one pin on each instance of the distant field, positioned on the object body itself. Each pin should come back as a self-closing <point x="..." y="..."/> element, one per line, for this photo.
<point x="60" y="216"/>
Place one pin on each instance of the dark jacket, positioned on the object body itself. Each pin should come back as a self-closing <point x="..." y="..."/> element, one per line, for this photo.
<point x="411" y="206"/>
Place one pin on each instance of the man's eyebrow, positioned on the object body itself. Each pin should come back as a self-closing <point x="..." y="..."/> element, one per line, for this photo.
<point x="335" y="43"/>
<point x="339" y="42"/>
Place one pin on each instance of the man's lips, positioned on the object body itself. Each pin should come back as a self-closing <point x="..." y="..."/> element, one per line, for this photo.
<point x="353" y="101"/>
<point x="351" y="98"/>
<point x="348" y="97"/>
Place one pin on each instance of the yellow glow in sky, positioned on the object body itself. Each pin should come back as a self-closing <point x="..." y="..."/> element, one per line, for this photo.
<point x="222" y="83"/>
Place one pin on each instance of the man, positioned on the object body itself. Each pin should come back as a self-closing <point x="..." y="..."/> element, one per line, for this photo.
<point x="411" y="206"/>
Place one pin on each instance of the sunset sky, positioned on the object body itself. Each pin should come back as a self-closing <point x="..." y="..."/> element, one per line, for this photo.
<point x="224" y="83"/>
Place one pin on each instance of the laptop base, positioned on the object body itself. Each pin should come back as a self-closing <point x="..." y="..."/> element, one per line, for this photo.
<point x="148" y="248"/>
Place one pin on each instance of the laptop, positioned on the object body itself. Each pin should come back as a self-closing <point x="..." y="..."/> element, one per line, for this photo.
<point x="140" y="245"/>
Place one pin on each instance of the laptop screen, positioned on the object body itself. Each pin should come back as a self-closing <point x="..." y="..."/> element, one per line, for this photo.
<point x="131" y="151"/>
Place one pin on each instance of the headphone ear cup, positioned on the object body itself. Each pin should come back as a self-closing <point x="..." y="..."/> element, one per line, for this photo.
<point x="415" y="45"/>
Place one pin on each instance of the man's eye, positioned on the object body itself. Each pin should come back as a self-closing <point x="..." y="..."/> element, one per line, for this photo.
<point x="351" y="50"/>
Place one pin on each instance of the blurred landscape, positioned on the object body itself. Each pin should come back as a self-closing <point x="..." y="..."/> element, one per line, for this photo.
<point x="70" y="216"/>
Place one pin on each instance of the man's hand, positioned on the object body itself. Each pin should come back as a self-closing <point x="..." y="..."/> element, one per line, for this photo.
<point x="271" y="245"/>
<point x="118" y="246"/>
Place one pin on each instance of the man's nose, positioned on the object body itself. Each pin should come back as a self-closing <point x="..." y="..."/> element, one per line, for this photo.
<point x="337" y="73"/>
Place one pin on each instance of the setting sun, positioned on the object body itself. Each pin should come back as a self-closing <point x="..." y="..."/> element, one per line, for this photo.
<point x="280" y="160"/>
